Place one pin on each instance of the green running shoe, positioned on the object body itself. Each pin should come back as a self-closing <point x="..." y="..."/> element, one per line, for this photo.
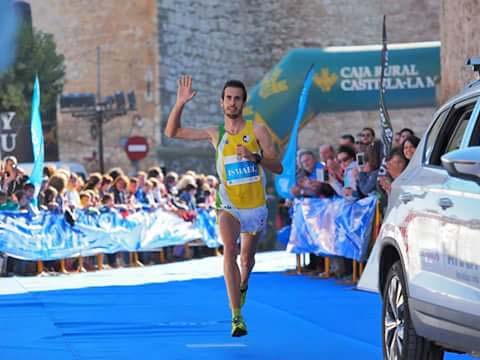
<point x="239" y="328"/>
<point x="243" y="296"/>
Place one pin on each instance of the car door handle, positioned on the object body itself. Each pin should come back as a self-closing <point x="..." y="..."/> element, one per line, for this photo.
<point x="406" y="197"/>
<point x="445" y="203"/>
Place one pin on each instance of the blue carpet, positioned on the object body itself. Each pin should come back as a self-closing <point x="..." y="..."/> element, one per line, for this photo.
<point x="289" y="317"/>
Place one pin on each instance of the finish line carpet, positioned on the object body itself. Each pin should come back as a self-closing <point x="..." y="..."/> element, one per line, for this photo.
<point x="179" y="311"/>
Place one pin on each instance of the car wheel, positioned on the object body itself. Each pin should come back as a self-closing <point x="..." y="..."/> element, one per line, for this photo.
<point x="400" y="341"/>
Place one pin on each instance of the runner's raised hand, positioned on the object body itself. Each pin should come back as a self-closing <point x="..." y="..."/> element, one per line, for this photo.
<point x="184" y="91"/>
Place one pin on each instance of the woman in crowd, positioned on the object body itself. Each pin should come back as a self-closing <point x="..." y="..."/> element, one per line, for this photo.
<point x="105" y="185"/>
<point x="94" y="182"/>
<point x="59" y="182"/>
<point x="149" y="196"/>
<point x="171" y="183"/>
<point x="119" y="190"/>
<point x="409" y="146"/>
<point x="160" y="190"/>
<point x="72" y="199"/>
<point x="187" y="187"/>
<point x="12" y="177"/>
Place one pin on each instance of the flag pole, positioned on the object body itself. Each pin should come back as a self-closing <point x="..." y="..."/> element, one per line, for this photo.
<point x="385" y="123"/>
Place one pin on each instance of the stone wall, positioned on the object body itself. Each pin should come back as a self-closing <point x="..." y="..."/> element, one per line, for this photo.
<point x="459" y="36"/>
<point x="126" y="34"/>
<point x="216" y="40"/>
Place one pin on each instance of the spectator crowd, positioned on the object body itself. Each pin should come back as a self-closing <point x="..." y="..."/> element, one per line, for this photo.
<point x="353" y="168"/>
<point x="67" y="193"/>
<point x="350" y="169"/>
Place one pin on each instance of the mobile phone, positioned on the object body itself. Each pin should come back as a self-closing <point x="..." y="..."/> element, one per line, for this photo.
<point x="360" y="159"/>
<point x="320" y="174"/>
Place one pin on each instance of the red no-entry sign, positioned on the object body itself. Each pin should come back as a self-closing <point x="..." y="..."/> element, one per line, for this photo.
<point x="136" y="147"/>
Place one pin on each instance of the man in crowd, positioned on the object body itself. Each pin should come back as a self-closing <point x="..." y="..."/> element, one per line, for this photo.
<point x="347" y="140"/>
<point x="395" y="164"/>
<point x="311" y="171"/>
<point x="309" y="180"/>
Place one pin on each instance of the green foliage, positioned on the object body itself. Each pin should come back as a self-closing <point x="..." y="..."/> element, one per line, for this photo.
<point x="36" y="53"/>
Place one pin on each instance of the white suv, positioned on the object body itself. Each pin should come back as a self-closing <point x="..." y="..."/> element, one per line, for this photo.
<point x="426" y="261"/>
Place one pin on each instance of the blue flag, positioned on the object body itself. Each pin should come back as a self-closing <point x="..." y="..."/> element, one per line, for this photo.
<point x="287" y="179"/>
<point x="37" y="140"/>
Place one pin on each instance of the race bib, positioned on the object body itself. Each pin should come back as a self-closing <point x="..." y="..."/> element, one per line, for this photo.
<point x="240" y="171"/>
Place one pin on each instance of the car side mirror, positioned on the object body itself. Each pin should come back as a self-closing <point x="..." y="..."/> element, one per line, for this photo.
<point x="463" y="163"/>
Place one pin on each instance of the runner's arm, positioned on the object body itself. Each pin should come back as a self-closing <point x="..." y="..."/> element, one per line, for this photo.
<point x="270" y="156"/>
<point x="174" y="128"/>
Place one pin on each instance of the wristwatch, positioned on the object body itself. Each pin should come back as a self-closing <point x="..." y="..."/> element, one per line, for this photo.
<point x="258" y="158"/>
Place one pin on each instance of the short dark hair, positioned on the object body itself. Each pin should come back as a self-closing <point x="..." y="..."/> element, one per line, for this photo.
<point x="369" y="129"/>
<point x="348" y="137"/>
<point x="154" y="172"/>
<point x="306" y="152"/>
<point x="407" y="130"/>
<point x="106" y="197"/>
<point x="235" y="84"/>
<point x="347" y="150"/>
<point x="396" y="152"/>
<point x="28" y="185"/>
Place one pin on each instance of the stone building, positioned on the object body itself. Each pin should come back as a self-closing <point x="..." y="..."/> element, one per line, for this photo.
<point x="459" y="29"/>
<point x="126" y="34"/>
<point x="147" y="44"/>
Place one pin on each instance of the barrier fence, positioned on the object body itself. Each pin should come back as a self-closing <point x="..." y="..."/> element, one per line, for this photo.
<point x="50" y="236"/>
<point x="334" y="227"/>
<point x="326" y="227"/>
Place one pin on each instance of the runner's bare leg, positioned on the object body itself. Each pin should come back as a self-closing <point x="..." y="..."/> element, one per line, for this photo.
<point x="247" y="256"/>
<point x="229" y="232"/>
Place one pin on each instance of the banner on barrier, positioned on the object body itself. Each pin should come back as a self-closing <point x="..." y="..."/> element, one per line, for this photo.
<point x="332" y="226"/>
<point x="50" y="237"/>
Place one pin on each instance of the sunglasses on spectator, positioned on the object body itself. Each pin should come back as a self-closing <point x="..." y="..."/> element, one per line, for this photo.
<point x="343" y="159"/>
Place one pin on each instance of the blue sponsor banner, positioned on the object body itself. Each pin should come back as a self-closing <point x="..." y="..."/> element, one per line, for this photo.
<point x="49" y="237"/>
<point x="206" y="223"/>
<point x="332" y="226"/>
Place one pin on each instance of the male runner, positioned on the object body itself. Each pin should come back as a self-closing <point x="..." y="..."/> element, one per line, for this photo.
<point x="243" y="150"/>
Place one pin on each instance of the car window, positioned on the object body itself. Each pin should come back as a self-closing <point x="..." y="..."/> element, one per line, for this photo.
<point x="457" y="137"/>
<point x="475" y="139"/>
<point x="449" y="133"/>
<point x="433" y="135"/>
